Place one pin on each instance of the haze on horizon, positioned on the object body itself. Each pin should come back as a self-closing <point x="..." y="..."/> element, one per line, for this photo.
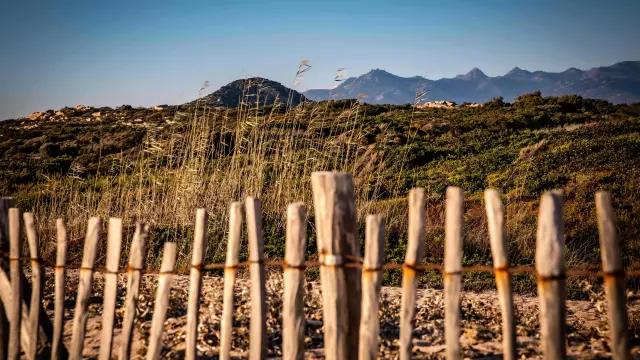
<point x="147" y="53"/>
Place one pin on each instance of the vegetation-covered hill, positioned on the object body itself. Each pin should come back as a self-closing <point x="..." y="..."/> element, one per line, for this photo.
<point x="158" y="166"/>
<point x="252" y="91"/>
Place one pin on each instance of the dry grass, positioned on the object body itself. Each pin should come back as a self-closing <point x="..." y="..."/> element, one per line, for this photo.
<point x="211" y="159"/>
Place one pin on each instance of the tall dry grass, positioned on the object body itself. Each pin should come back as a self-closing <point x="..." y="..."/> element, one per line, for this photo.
<point x="211" y="158"/>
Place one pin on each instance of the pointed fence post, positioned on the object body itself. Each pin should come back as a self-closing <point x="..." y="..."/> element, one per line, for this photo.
<point x="293" y="321"/>
<point x="500" y="251"/>
<point x="550" y="266"/>
<point x="114" y="244"/>
<point x="136" y="261"/>
<point x="236" y="211"/>
<point x="162" y="301"/>
<point x="413" y="257"/>
<point x="37" y="284"/>
<point x="25" y="330"/>
<point x="5" y="204"/>
<point x="614" y="278"/>
<point x="61" y="262"/>
<point x="452" y="267"/>
<point x="195" y="283"/>
<point x="335" y="217"/>
<point x="85" y="283"/>
<point x="258" y="330"/>
<point x="371" y="283"/>
<point x="16" y="284"/>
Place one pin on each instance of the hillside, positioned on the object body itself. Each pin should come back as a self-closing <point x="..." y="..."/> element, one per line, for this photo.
<point x="618" y="84"/>
<point x="160" y="165"/>
<point x="251" y="91"/>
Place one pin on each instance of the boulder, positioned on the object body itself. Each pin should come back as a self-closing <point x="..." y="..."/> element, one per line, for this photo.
<point x="159" y="107"/>
<point x="38" y="115"/>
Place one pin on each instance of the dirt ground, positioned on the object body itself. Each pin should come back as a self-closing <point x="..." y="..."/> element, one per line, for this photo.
<point x="481" y="321"/>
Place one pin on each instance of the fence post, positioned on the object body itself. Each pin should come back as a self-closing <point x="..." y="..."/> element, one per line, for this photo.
<point x="335" y="217"/>
<point x="114" y="244"/>
<point x="614" y="278"/>
<point x="6" y="297"/>
<point x="195" y="283"/>
<point x="371" y="283"/>
<point x="293" y="321"/>
<point x="84" y="288"/>
<point x="550" y="266"/>
<point x="230" y="271"/>
<point x="61" y="262"/>
<point x="413" y="257"/>
<point x="136" y="257"/>
<point x="452" y="266"/>
<point x="37" y="284"/>
<point x="353" y="275"/>
<point x="16" y="283"/>
<point x="258" y="330"/>
<point x="162" y="301"/>
<point x="5" y="204"/>
<point x="500" y="251"/>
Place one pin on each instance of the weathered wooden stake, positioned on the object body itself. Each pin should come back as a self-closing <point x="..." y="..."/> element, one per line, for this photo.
<point x="195" y="283"/>
<point x="454" y="218"/>
<point x="5" y="204"/>
<point x="258" y="331"/>
<point x="500" y="251"/>
<point x="293" y="321"/>
<point x="61" y="262"/>
<point x="231" y="267"/>
<point x="550" y="266"/>
<point x="162" y="301"/>
<point x="371" y="283"/>
<point x="335" y="215"/>
<point x="37" y="284"/>
<point x="26" y="332"/>
<point x="16" y="283"/>
<point x="84" y="288"/>
<point x="114" y="244"/>
<point x="413" y="257"/>
<point x="614" y="279"/>
<point x="136" y="260"/>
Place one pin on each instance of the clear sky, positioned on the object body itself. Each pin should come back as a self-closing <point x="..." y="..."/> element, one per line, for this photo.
<point x="116" y="52"/>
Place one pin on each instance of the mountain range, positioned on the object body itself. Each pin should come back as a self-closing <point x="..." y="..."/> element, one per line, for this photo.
<point x="618" y="83"/>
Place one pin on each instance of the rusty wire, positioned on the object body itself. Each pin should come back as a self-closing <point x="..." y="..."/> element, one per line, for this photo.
<point x="355" y="263"/>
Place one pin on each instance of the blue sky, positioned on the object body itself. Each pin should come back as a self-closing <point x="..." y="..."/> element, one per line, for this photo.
<point x="154" y="52"/>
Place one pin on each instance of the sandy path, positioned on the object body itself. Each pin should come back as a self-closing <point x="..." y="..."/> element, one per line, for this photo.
<point x="481" y="323"/>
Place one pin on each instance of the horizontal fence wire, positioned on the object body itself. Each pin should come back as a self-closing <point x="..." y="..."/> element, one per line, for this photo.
<point x="356" y="262"/>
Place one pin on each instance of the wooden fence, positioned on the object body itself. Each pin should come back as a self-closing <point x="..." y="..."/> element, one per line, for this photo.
<point x="349" y="283"/>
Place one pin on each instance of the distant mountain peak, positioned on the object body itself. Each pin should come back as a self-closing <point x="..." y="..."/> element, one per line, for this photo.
<point x="377" y="73"/>
<point x="573" y="70"/>
<point x="517" y="70"/>
<point x="474" y="74"/>
<point x="517" y="73"/>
